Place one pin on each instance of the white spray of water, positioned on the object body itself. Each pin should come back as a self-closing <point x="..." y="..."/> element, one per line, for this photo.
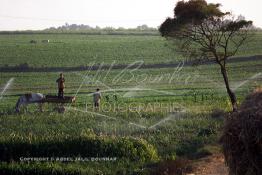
<point x="133" y="91"/>
<point x="246" y="81"/>
<point x="106" y="116"/>
<point x="7" y="85"/>
<point x="170" y="117"/>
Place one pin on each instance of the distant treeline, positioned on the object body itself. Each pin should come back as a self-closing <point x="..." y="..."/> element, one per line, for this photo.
<point x="83" y="27"/>
<point x="86" y="29"/>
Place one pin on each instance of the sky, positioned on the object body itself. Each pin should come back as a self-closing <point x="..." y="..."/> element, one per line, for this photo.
<point x="41" y="14"/>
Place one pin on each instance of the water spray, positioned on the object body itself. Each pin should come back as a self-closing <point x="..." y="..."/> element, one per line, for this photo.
<point x="7" y="85"/>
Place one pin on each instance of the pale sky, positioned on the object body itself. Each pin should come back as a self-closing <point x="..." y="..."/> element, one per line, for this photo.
<point x="40" y="14"/>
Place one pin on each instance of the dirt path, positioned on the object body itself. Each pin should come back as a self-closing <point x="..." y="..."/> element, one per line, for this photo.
<point x="211" y="165"/>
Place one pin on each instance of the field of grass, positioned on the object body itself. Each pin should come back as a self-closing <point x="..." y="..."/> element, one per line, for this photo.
<point x="81" y="50"/>
<point x="69" y="50"/>
<point x="146" y="116"/>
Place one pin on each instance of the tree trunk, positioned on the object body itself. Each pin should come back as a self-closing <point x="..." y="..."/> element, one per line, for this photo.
<point x="230" y="93"/>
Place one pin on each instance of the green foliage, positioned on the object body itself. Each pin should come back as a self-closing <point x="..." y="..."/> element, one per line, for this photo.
<point x="196" y="11"/>
<point x="121" y="148"/>
<point x="236" y="25"/>
<point x="64" y="135"/>
<point x="56" y="168"/>
<point x="204" y="31"/>
<point x="188" y="12"/>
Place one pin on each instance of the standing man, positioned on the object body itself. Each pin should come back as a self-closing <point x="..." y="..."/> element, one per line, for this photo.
<point x="61" y="85"/>
<point x="96" y="98"/>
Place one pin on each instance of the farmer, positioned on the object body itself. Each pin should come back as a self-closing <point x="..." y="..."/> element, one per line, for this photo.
<point x="61" y="85"/>
<point x="96" y="98"/>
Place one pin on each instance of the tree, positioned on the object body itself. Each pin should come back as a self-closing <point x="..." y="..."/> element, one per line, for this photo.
<point x="203" y="32"/>
<point x="142" y="27"/>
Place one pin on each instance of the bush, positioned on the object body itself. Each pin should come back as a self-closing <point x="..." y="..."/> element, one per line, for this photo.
<point x="82" y="146"/>
<point x="242" y="138"/>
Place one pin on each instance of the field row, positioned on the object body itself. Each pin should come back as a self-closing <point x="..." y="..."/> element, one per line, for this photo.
<point x="82" y="50"/>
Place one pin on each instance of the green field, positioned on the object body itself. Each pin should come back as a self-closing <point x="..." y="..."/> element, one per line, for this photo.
<point x="67" y="50"/>
<point x="79" y="50"/>
<point x="127" y="126"/>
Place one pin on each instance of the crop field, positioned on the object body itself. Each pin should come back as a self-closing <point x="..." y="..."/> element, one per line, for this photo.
<point x="147" y="115"/>
<point x="81" y="50"/>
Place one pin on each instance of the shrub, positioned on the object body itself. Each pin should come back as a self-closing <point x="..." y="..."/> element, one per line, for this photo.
<point x="82" y="146"/>
<point x="242" y="138"/>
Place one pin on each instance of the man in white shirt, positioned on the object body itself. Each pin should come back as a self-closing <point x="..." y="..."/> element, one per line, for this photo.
<point x="96" y="98"/>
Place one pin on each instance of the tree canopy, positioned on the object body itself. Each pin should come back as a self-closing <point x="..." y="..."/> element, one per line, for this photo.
<point x="204" y="28"/>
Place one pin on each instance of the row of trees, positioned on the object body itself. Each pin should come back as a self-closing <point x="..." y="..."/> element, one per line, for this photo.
<point x="83" y="27"/>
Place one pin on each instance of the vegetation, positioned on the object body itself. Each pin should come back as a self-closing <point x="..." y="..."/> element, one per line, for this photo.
<point x="69" y="135"/>
<point x="204" y="32"/>
<point x="244" y="130"/>
<point x="139" y="139"/>
<point x="142" y="29"/>
<point x="85" y="146"/>
<point x="71" y="50"/>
